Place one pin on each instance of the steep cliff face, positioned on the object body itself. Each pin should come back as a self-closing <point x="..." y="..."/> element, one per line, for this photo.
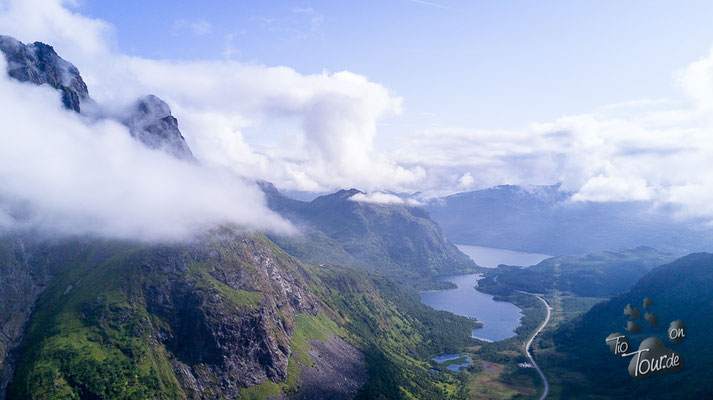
<point x="202" y="320"/>
<point x="38" y="63"/>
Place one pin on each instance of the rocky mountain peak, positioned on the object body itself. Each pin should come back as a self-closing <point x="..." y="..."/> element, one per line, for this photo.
<point x="150" y="121"/>
<point x="38" y="63"/>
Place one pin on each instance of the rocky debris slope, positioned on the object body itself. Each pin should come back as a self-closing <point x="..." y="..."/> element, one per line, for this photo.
<point x="337" y="373"/>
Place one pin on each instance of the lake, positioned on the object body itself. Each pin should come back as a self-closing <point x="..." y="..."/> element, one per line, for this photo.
<point x="499" y="318"/>
<point x="489" y="257"/>
<point x="454" y="362"/>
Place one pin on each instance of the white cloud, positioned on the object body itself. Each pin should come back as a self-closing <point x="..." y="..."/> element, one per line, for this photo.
<point x="92" y="176"/>
<point x="198" y="28"/>
<point x="328" y="140"/>
<point x="466" y="181"/>
<point x="64" y="173"/>
<point x="383" y="198"/>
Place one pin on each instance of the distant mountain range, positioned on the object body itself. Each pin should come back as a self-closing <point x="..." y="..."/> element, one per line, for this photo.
<point x="543" y="219"/>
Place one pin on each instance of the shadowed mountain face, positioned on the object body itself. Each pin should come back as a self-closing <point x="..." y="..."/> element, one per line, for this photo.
<point x="136" y="303"/>
<point x="149" y="120"/>
<point x="125" y="320"/>
<point x="38" y="63"/>
<point x="152" y="124"/>
<point x="681" y="290"/>
<point x="401" y="241"/>
<point x="543" y="220"/>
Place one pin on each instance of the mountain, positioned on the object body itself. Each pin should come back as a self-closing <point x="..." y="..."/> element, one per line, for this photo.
<point x="544" y="219"/>
<point x="401" y="241"/>
<point x="39" y="64"/>
<point x="600" y="274"/>
<point x="229" y="315"/>
<point x="149" y="120"/>
<point x="582" y="366"/>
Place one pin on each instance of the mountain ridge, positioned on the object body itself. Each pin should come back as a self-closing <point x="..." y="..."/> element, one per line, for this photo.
<point x="545" y="219"/>
<point x="402" y="241"/>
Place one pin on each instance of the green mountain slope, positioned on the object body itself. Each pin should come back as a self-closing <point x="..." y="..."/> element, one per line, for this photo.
<point x="582" y="367"/>
<point x="227" y="316"/>
<point x="401" y="241"/>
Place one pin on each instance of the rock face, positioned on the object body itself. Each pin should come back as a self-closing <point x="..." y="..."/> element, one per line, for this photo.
<point x="152" y="124"/>
<point x="38" y="63"/>
<point x="196" y="320"/>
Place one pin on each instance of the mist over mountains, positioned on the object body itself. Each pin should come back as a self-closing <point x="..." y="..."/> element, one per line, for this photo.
<point x="69" y="165"/>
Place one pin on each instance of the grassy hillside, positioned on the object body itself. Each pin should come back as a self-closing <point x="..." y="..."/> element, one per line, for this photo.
<point x="581" y="366"/>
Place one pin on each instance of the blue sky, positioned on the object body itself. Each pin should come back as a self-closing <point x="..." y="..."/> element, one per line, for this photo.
<point x="465" y="64"/>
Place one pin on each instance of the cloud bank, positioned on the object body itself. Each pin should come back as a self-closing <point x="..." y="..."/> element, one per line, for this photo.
<point x="63" y="173"/>
<point x="655" y="151"/>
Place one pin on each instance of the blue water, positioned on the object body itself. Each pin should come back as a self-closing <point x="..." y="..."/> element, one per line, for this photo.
<point x="499" y="318"/>
<point x="489" y="257"/>
<point x="448" y="357"/>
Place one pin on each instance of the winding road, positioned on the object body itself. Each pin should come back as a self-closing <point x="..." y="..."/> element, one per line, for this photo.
<point x="529" y="342"/>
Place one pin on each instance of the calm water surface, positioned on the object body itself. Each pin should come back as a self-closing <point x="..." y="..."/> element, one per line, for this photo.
<point x="499" y="318"/>
<point x="450" y="357"/>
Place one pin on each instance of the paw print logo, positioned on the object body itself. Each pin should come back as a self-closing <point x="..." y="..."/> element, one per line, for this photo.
<point x="652" y="356"/>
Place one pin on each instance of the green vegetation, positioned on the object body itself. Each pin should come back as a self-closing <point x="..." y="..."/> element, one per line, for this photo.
<point x="601" y="274"/>
<point x="396" y="332"/>
<point x="579" y="365"/>
<point x="400" y="241"/>
<point x="83" y="345"/>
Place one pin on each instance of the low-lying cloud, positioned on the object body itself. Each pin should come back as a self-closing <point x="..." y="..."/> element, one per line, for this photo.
<point x="383" y="198"/>
<point x="62" y="172"/>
